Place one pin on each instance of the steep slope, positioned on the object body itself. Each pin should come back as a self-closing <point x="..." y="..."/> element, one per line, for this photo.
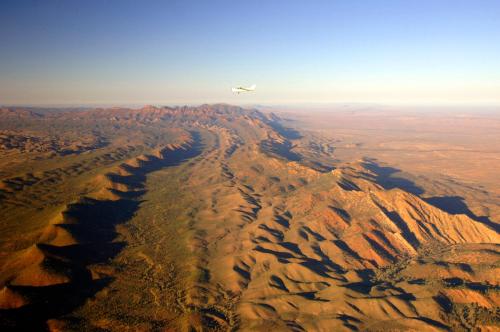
<point x="309" y="249"/>
<point x="212" y="219"/>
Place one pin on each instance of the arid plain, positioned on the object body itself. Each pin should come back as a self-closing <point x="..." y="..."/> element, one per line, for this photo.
<point x="217" y="218"/>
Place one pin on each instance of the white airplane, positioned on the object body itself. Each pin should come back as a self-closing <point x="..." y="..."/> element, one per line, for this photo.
<point x="243" y="89"/>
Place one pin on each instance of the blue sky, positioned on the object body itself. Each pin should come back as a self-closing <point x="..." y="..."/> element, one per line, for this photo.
<point x="164" y="52"/>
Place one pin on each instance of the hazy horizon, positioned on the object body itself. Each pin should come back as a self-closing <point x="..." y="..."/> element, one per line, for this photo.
<point x="146" y="184"/>
<point x="119" y="53"/>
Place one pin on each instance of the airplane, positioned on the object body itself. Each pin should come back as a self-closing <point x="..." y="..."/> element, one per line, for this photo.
<point x="243" y="89"/>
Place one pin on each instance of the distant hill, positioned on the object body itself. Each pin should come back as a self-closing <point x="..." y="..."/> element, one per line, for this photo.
<point x="222" y="218"/>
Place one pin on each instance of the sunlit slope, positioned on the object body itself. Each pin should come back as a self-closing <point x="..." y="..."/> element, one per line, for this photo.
<point x="214" y="220"/>
<point x="60" y="209"/>
<point x="295" y="248"/>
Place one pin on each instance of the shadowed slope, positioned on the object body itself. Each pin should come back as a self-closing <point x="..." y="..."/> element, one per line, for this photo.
<point x="57" y="270"/>
<point x="257" y="230"/>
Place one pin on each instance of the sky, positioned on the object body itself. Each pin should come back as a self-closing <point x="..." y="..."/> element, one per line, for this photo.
<point x="59" y="52"/>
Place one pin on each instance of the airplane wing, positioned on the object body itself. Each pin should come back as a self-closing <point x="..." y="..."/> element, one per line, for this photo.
<point x="243" y="89"/>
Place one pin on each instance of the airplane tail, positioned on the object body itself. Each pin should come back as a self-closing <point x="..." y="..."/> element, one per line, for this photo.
<point x="253" y="87"/>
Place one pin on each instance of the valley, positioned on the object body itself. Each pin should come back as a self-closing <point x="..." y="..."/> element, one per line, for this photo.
<point x="219" y="218"/>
